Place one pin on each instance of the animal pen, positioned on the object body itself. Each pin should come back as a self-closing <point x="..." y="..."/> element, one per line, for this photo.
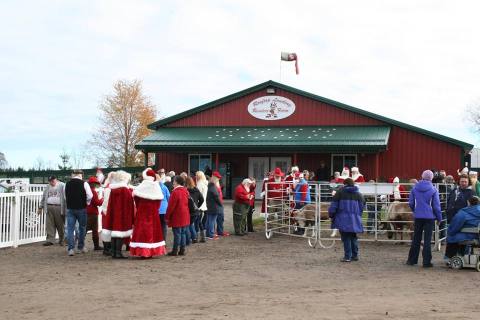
<point x="386" y="216"/>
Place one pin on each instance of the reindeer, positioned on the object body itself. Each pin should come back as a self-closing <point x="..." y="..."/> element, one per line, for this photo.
<point x="305" y="217"/>
<point x="399" y="218"/>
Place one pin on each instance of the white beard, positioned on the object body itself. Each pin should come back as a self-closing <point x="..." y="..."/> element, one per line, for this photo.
<point x="278" y="179"/>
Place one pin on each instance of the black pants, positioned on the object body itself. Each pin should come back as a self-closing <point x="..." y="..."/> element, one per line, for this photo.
<point x="424" y="226"/>
<point x="250" y="219"/>
<point x="453" y="248"/>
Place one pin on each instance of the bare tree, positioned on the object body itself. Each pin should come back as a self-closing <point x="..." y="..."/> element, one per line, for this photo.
<point x="472" y="115"/>
<point x="124" y="117"/>
<point x="3" y="161"/>
<point x="65" y="158"/>
<point x="39" y="164"/>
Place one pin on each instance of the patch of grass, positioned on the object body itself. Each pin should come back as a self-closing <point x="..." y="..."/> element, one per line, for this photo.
<point x="258" y="221"/>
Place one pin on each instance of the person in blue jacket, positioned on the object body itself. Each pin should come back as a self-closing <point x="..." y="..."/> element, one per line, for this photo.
<point x="425" y="204"/>
<point x="346" y="214"/>
<point x="468" y="217"/>
<point x="163" y="207"/>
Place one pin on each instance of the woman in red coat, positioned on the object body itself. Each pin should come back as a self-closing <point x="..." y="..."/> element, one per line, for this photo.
<point x="178" y="215"/>
<point x="147" y="238"/>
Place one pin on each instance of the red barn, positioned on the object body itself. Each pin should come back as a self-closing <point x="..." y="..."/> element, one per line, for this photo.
<point x="270" y="125"/>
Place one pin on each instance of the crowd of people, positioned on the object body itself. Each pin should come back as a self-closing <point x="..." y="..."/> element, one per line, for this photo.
<point x="193" y="207"/>
<point x="138" y="217"/>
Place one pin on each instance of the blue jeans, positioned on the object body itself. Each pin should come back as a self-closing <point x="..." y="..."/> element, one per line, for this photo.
<point x="220" y="218"/>
<point x="424" y="226"/>
<point x="193" y="232"/>
<point x="74" y="215"/>
<point x="164" y="226"/>
<point x="198" y="222"/>
<point x="179" y="237"/>
<point x="350" y="245"/>
<point x="211" y="219"/>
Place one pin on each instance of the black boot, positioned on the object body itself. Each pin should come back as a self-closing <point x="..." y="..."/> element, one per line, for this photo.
<point x="202" y="236"/>
<point x="113" y="247"/>
<point x="182" y="251"/>
<point x="107" y="248"/>
<point x="117" y="250"/>
<point x="174" y="252"/>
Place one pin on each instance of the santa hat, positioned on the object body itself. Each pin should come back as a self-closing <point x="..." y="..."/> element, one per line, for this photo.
<point x="93" y="179"/>
<point x="278" y="172"/>
<point x="148" y="174"/>
<point x="217" y="174"/>
<point x="396" y="180"/>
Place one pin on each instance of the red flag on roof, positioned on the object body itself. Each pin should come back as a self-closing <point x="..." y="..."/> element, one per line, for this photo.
<point x="287" y="56"/>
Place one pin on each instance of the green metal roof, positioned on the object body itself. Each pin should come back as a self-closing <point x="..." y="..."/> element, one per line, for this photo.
<point x="314" y="139"/>
<point x="273" y="84"/>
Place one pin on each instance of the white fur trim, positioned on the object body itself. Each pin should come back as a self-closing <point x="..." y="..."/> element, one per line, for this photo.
<point x="106" y="235"/>
<point x="396" y="180"/>
<point x="118" y="185"/>
<point x="145" y="177"/>
<point x="147" y="245"/>
<point x="121" y="234"/>
<point x="148" y="190"/>
<point x="355" y="169"/>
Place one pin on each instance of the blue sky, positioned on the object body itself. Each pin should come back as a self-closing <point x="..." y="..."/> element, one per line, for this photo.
<point x="414" y="61"/>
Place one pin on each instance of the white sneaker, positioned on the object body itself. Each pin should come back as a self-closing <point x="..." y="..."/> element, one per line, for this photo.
<point x="84" y="250"/>
<point x="71" y="252"/>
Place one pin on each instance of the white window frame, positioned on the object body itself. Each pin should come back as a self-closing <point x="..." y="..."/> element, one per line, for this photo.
<point x="343" y="155"/>
<point x="198" y="155"/>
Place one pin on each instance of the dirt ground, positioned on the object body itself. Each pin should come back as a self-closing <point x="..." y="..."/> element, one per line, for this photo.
<point x="234" y="278"/>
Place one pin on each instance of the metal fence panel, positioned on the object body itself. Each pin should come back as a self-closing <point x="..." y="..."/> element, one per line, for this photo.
<point x="386" y="216"/>
<point x="20" y="223"/>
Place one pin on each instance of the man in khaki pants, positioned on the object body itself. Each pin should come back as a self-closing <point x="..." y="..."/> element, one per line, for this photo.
<point x="53" y="200"/>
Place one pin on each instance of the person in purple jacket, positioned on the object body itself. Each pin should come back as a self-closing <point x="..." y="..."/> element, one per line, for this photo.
<point x="346" y="214"/>
<point x="425" y="204"/>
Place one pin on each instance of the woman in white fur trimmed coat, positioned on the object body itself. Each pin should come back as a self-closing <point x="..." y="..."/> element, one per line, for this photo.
<point x="147" y="238"/>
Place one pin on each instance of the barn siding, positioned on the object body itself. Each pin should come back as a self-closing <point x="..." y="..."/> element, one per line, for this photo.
<point x="308" y="113"/>
<point x="409" y="153"/>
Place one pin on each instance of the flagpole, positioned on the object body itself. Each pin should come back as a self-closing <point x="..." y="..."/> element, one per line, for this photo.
<point x="280" y="80"/>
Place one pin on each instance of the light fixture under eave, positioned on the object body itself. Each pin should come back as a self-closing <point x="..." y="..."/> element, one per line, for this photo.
<point x="270" y="90"/>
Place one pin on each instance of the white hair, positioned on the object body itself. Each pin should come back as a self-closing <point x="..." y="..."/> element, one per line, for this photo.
<point x="295" y="169"/>
<point x="246" y="181"/>
<point x="168" y="179"/>
<point x="123" y="176"/>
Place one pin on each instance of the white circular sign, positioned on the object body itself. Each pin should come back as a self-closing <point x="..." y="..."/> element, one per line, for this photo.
<point x="271" y="108"/>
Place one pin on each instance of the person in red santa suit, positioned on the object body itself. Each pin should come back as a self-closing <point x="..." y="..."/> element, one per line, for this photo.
<point x="147" y="238"/>
<point x="106" y="235"/>
<point x="120" y="213"/>
<point x="357" y="176"/>
<point x="276" y="192"/>
<point x="92" y="212"/>
<point x="345" y="174"/>
<point x="399" y="191"/>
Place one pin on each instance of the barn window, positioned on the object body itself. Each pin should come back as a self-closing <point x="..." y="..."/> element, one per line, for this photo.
<point x="343" y="160"/>
<point x="198" y="162"/>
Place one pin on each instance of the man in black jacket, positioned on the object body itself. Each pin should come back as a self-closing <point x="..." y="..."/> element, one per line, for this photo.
<point x="77" y="195"/>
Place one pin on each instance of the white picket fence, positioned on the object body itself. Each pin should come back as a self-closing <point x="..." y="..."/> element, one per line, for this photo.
<point x="19" y="222"/>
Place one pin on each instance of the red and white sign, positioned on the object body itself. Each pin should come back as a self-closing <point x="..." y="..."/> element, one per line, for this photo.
<point x="271" y="108"/>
